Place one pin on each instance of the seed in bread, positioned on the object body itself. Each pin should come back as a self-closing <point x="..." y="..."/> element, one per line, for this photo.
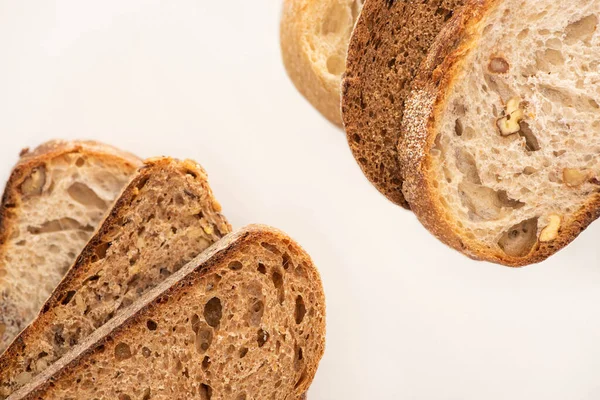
<point x="314" y="42"/>
<point x="164" y="217"/>
<point x="55" y="197"/>
<point x="244" y="320"/>
<point x="534" y="130"/>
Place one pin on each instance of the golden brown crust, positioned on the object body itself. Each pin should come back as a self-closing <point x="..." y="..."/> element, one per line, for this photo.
<point x="425" y="106"/>
<point x="390" y="40"/>
<point x="201" y="266"/>
<point x="309" y="81"/>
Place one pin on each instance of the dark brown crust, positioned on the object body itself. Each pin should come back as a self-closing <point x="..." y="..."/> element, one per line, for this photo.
<point x="426" y="105"/>
<point x="203" y="265"/>
<point x="389" y="42"/>
<point x="111" y="220"/>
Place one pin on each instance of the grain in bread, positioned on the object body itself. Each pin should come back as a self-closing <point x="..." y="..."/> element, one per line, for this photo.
<point x="390" y="40"/>
<point x="314" y="42"/>
<point x="164" y="218"/>
<point x="244" y="320"/>
<point x="54" y="199"/>
<point x="502" y="132"/>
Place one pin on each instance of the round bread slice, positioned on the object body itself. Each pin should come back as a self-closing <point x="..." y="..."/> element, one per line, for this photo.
<point x="314" y="42"/>
<point x="390" y="40"/>
<point x="502" y="132"/>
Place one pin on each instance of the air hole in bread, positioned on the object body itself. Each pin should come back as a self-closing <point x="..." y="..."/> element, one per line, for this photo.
<point x="262" y="337"/>
<point x="192" y="173"/>
<point x="498" y="65"/>
<point x="466" y="164"/>
<point x="68" y="297"/>
<point x="86" y="196"/>
<point x="92" y="278"/>
<point x="287" y="261"/>
<point x="485" y="203"/>
<point x="151" y="325"/>
<point x="273" y="249"/>
<point x="458" y="127"/>
<point x="531" y="141"/>
<point x="257" y="309"/>
<point x="261" y="268"/>
<point x="205" y="392"/>
<point x="142" y="182"/>
<point x="520" y="239"/>
<point x="206" y="362"/>
<point x="101" y="250"/>
<point x="123" y="396"/>
<point x="146" y="394"/>
<point x="300" y="310"/>
<point x="204" y="338"/>
<point x="213" y="312"/>
<point x="277" y="280"/>
<point x="146" y="352"/>
<point x="299" y="356"/>
<point x="496" y="84"/>
<point x="122" y="351"/>
<point x="243" y="352"/>
<point x="336" y="64"/>
<point x="581" y="30"/>
<point x="58" y="225"/>
<point x="235" y="265"/>
<point x="241" y="396"/>
<point x="34" y="184"/>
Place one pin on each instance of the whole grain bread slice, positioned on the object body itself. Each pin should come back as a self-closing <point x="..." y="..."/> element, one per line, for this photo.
<point x="53" y="201"/>
<point x="389" y="42"/>
<point x="314" y="41"/>
<point x="244" y="320"/>
<point x="164" y="218"/>
<point x="503" y="130"/>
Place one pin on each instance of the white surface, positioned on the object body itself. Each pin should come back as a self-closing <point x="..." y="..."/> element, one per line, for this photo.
<point x="407" y="317"/>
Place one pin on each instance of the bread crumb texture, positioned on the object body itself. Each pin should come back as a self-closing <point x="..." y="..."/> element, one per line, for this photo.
<point x="517" y="149"/>
<point x="51" y="208"/>
<point x="249" y="324"/>
<point x="166" y="216"/>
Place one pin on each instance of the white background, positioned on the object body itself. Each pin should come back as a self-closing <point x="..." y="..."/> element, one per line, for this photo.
<point x="408" y="318"/>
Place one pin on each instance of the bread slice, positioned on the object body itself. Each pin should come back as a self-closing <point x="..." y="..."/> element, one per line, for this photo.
<point x="314" y="41"/>
<point x="163" y="219"/>
<point x="390" y="41"/>
<point x="503" y="131"/>
<point x="244" y="320"/>
<point x="53" y="201"/>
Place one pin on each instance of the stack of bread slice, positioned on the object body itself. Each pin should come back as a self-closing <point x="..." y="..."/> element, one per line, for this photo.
<point x="163" y="301"/>
<point x="481" y="116"/>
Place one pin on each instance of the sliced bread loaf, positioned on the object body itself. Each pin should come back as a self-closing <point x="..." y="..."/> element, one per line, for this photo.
<point x="165" y="217"/>
<point x="389" y="43"/>
<point x="244" y="320"/>
<point x="503" y="131"/>
<point x="314" y="42"/>
<point x="53" y="201"/>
